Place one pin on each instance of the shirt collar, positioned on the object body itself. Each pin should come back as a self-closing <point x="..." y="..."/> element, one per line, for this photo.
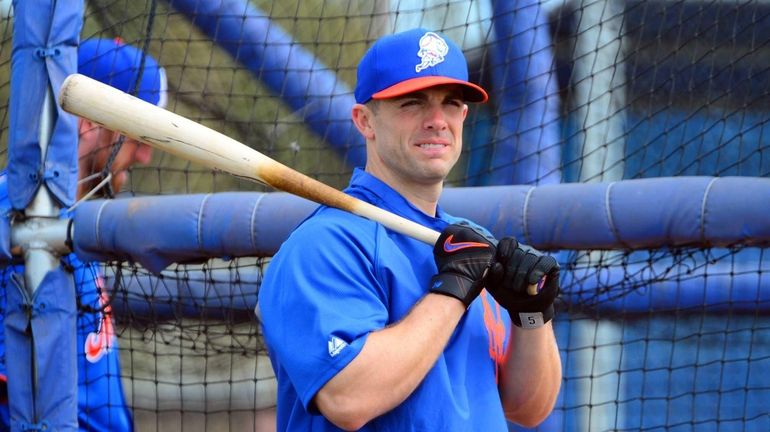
<point x="373" y="190"/>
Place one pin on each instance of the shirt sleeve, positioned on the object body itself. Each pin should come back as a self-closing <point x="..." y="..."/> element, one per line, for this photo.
<point x="320" y="298"/>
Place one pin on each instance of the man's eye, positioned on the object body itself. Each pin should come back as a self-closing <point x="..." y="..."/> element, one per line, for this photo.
<point x="409" y="102"/>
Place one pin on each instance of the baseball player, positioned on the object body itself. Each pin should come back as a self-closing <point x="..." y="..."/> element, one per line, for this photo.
<point x="368" y="329"/>
<point x="101" y="403"/>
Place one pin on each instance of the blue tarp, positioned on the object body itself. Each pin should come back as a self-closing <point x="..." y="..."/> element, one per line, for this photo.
<point x="45" y="39"/>
<point x="40" y="348"/>
<point x="39" y="322"/>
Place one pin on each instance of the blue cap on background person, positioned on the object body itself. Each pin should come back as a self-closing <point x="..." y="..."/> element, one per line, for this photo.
<point x="413" y="60"/>
<point x="117" y="64"/>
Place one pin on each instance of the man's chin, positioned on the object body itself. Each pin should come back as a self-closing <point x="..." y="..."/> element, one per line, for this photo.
<point x="435" y="174"/>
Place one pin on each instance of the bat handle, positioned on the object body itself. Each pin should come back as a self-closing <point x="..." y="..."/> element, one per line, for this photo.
<point x="396" y="223"/>
<point x="531" y="289"/>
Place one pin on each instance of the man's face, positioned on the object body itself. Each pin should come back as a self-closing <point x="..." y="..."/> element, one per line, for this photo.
<point x="415" y="139"/>
<point x="94" y="150"/>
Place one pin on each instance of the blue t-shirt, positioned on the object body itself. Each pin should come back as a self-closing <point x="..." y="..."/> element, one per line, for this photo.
<point x="339" y="277"/>
<point x="101" y="402"/>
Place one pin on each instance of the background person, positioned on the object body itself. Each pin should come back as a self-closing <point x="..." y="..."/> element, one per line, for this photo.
<point x="101" y="402"/>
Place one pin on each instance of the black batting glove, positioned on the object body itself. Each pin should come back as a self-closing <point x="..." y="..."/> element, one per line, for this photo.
<point x="462" y="256"/>
<point x="516" y="267"/>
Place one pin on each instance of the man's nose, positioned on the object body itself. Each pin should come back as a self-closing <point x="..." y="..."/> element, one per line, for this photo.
<point x="143" y="153"/>
<point x="435" y="118"/>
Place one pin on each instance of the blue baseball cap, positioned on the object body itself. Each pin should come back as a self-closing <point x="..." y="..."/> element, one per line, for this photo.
<point x="117" y="64"/>
<point x="413" y="60"/>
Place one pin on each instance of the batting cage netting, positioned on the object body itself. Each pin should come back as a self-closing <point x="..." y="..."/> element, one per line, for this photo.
<point x="628" y="138"/>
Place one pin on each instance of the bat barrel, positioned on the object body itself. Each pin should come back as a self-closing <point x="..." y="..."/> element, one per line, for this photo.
<point x="162" y="129"/>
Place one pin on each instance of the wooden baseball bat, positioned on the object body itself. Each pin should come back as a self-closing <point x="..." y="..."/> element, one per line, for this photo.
<point x="172" y="133"/>
<point x="162" y="129"/>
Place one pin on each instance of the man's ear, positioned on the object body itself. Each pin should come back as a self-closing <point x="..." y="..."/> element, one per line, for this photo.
<point x="362" y="118"/>
<point x="86" y="133"/>
<point x="85" y="126"/>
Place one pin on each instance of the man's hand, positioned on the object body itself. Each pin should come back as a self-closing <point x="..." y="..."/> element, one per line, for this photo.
<point x="462" y="256"/>
<point x="516" y="267"/>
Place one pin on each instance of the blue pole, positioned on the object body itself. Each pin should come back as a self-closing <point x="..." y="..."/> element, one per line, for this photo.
<point x="304" y="83"/>
<point x="526" y="149"/>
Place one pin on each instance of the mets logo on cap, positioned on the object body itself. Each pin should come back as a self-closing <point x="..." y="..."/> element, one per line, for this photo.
<point x="433" y="49"/>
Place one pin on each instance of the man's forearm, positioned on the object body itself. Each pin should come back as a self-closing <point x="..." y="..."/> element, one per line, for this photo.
<point x="391" y="364"/>
<point x="531" y="378"/>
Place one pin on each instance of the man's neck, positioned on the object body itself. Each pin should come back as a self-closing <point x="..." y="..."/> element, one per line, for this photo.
<point x="423" y="196"/>
<point x="424" y="199"/>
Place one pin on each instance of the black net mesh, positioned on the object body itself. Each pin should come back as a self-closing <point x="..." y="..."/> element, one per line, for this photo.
<point x="664" y="339"/>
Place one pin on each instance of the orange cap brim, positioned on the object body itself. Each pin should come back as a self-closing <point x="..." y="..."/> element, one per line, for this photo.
<point x="471" y="92"/>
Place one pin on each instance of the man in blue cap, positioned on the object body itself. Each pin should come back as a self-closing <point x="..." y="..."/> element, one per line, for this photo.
<point x="101" y="402"/>
<point x="117" y="64"/>
<point x="368" y="329"/>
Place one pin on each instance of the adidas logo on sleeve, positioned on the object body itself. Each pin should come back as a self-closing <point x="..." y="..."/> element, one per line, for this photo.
<point x="336" y="345"/>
